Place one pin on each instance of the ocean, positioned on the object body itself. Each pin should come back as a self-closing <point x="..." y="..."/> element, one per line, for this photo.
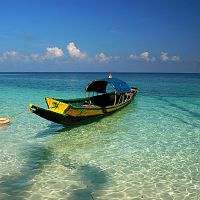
<point x="148" y="150"/>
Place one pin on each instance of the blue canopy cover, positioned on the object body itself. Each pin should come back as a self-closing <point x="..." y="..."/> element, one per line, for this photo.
<point x="99" y="86"/>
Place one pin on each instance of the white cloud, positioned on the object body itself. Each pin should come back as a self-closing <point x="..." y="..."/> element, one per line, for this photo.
<point x="10" y="54"/>
<point x="53" y="52"/>
<point x="103" y="58"/>
<point x="74" y="52"/>
<point x="164" y="57"/>
<point x="143" y="56"/>
<point x="175" y="58"/>
<point x="146" y="56"/>
<point x="13" y="55"/>
<point x="133" y="57"/>
<point x="37" y="57"/>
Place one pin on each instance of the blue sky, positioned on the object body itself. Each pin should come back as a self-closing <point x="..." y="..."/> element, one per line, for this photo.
<point x="100" y="35"/>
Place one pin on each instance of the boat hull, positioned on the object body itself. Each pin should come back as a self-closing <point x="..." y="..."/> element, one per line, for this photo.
<point x="72" y="120"/>
<point x="56" y="117"/>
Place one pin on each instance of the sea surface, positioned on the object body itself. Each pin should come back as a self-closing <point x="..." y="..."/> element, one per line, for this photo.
<point x="148" y="150"/>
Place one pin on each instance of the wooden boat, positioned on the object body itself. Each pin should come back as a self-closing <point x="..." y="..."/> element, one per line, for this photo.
<point x="101" y="103"/>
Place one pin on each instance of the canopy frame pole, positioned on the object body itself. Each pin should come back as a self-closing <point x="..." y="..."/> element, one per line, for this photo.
<point x="120" y="99"/>
<point x="123" y="98"/>
<point x="115" y="98"/>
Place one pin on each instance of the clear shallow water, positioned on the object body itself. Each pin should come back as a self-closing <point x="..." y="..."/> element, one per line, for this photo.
<point x="148" y="150"/>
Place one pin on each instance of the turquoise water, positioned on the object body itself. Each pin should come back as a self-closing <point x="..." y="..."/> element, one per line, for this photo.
<point x="148" y="150"/>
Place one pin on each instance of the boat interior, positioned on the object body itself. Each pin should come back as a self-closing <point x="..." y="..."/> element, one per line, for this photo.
<point x="102" y="100"/>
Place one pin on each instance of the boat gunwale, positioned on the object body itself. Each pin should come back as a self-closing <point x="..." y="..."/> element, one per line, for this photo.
<point x="83" y="108"/>
<point x="93" y="106"/>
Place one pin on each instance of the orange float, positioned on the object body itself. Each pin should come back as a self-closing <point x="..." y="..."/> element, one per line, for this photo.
<point x="4" y="121"/>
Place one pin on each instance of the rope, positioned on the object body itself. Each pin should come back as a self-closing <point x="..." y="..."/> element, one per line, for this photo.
<point x="18" y="113"/>
<point x="5" y="121"/>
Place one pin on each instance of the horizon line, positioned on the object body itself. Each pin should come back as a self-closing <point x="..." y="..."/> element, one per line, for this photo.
<point x="105" y="72"/>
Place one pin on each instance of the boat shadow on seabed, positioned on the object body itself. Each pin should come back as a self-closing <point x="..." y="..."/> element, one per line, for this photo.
<point x="18" y="185"/>
<point x="14" y="186"/>
<point x="54" y="128"/>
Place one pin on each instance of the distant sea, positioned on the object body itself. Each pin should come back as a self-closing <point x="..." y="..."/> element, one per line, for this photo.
<point x="148" y="150"/>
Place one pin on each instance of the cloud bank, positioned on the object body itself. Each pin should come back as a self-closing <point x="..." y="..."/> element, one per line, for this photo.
<point x="55" y="53"/>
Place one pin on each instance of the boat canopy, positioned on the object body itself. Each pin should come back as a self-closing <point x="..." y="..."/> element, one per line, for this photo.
<point x="99" y="86"/>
